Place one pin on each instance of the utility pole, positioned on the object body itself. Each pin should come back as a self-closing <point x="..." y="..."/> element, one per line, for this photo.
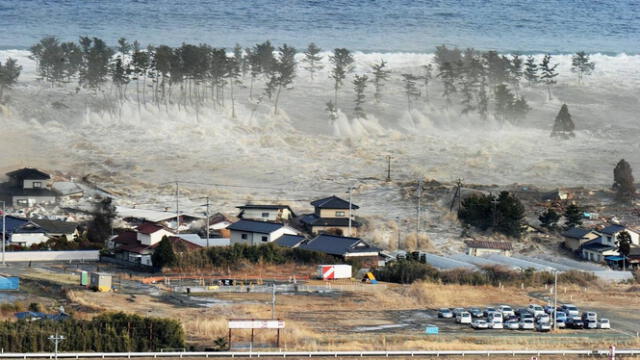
<point x="350" y="233"/>
<point x="4" y="231"/>
<point x="457" y="196"/>
<point x="555" y="299"/>
<point x="56" y="339"/>
<point x="419" y="210"/>
<point x="177" y="207"/>
<point x="388" y="168"/>
<point x="495" y="212"/>
<point x="207" y="205"/>
<point x="273" y="302"/>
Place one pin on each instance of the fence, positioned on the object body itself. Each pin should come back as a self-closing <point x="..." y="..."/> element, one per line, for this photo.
<point x="66" y="255"/>
<point x="298" y="354"/>
<point x="281" y="288"/>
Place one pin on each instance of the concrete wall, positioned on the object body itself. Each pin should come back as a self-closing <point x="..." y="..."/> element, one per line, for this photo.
<point x="335" y="213"/>
<point x="32" y="200"/>
<point x="257" y="239"/>
<point x="75" y="255"/>
<point x="28" y="239"/>
<point x="154" y="238"/>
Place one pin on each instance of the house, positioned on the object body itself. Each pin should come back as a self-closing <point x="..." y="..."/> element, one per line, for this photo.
<point x="167" y="219"/>
<point x="480" y="248"/>
<point x="27" y="187"/>
<point x="37" y="231"/>
<point x="218" y="224"/>
<point x="128" y="247"/>
<point x="253" y="232"/>
<point x="633" y="259"/>
<point x="331" y="215"/>
<point x="610" y="234"/>
<point x="597" y="251"/>
<point x="202" y="242"/>
<point x="575" y="237"/>
<point x="346" y="248"/>
<point x="150" y="234"/>
<point x="274" y="213"/>
<point x="290" y="241"/>
<point x="11" y="223"/>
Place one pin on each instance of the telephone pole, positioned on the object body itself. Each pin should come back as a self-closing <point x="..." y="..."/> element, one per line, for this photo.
<point x="388" y="168"/>
<point x="4" y="230"/>
<point x="177" y="207"/>
<point x="56" y="339"/>
<point x="350" y="188"/>
<point x="495" y="212"/>
<point x="457" y="196"/>
<point x="419" y="210"/>
<point x="555" y="299"/>
<point x="207" y="214"/>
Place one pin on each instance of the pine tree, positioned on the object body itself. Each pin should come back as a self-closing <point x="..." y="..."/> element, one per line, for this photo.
<point x="623" y="181"/>
<point x="312" y="59"/>
<point x="164" y="255"/>
<point x="332" y="111"/>
<point x="515" y="73"/>
<point x="531" y="71"/>
<point x="483" y="99"/>
<point x="9" y="74"/>
<point x="548" y="73"/>
<point x="232" y="74"/>
<point x="342" y="61"/>
<point x="380" y="75"/>
<point x="359" y="85"/>
<point x="50" y="60"/>
<point x="503" y="100"/>
<point x="426" y="79"/>
<point x="549" y="219"/>
<point x="100" y="228"/>
<point x="563" y="125"/>
<point x="623" y="240"/>
<point x="582" y="65"/>
<point x="518" y="110"/>
<point x="573" y="216"/>
<point x="410" y="88"/>
<point x="448" y="76"/>
<point x="285" y="70"/>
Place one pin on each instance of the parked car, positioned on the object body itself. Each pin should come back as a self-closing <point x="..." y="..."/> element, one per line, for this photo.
<point x="489" y="310"/>
<point x="589" y="316"/>
<point x="494" y="317"/>
<point x="445" y="313"/>
<point x="476" y="313"/>
<point x="521" y="311"/>
<point x="543" y="318"/>
<point x="506" y="311"/>
<point x="535" y="309"/>
<point x="527" y="324"/>
<point x="560" y="324"/>
<point x="604" y="324"/>
<point x="512" y="325"/>
<point x="463" y="318"/>
<point x="570" y="309"/>
<point x="543" y="326"/>
<point x="574" y="322"/>
<point x="479" y="324"/>
<point x="561" y="316"/>
<point x="590" y="324"/>
<point x="527" y="315"/>
<point x="496" y="325"/>
<point x="549" y="309"/>
<point x="457" y="311"/>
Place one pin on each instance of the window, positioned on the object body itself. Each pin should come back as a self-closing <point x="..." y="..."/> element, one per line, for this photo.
<point x="265" y="239"/>
<point x="265" y="215"/>
<point x="339" y="213"/>
<point x="243" y="236"/>
<point x="37" y="185"/>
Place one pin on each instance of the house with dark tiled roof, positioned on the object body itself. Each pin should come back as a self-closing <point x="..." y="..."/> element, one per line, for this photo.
<point x="126" y="246"/>
<point x="150" y="234"/>
<point x="37" y="231"/>
<point x="610" y="234"/>
<point x="290" y="241"/>
<point x="346" y="248"/>
<point x="254" y="232"/>
<point x="597" y="251"/>
<point x="575" y="237"/>
<point x="27" y="187"/>
<point x="331" y="215"/>
<point x="481" y="247"/>
<point x="274" y="213"/>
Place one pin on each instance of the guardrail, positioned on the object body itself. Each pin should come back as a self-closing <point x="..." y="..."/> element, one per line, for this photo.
<point x="298" y="354"/>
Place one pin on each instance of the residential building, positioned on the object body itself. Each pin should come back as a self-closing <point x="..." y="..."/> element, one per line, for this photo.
<point x="150" y="234"/>
<point x="273" y="213"/>
<point x="290" y="241"/>
<point x="167" y="219"/>
<point x="27" y="187"/>
<point x="127" y="246"/>
<point x="597" y="251"/>
<point x="331" y="215"/>
<point x="610" y="234"/>
<point x="37" y="231"/>
<point x="346" y="248"/>
<point x="480" y="248"/>
<point x="253" y="232"/>
<point x="575" y="237"/>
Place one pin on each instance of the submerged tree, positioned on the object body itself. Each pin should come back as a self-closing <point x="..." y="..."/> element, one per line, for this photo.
<point x="285" y="70"/>
<point x="448" y="75"/>
<point x="515" y="72"/>
<point x="549" y="219"/>
<point x="582" y="65"/>
<point x="531" y="71"/>
<point x="312" y="59"/>
<point x="410" y="89"/>
<point x="504" y="214"/>
<point x="563" y="125"/>
<point x="342" y="61"/>
<point x="359" y="85"/>
<point x="9" y="74"/>
<point x="100" y="228"/>
<point x="50" y="60"/>
<point x="623" y="181"/>
<point x="572" y="216"/>
<point x="548" y="73"/>
<point x="331" y="111"/>
<point x="426" y="79"/>
<point x="380" y="75"/>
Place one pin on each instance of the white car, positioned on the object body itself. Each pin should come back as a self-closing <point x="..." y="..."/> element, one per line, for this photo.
<point x="512" y="325"/>
<point x="479" y="324"/>
<point x="535" y="310"/>
<point x="463" y="318"/>
<point x="495" y="317"/>
<point x="527" y="324"/>
<point x="506" y="311"/>
<point x="496" y="325"/>
<point x="604" y="324"/>
<point x="543" y="318"/>
<point x="570" y="310"/>
<point x="543" y="326"/>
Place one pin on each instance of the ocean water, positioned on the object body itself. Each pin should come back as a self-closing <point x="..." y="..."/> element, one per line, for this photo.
<point x="555" y="26"/>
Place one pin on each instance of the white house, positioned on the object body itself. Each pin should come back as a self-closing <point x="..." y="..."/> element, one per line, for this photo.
<point x="37" y="231"/>
<point x="610" y="235"/>
<point x="253" y="232"/>
<point x="151" y="234"/>
<point x="480" y="248"/>
<point x="27" y="187"/>
<point x="276" y="213"/>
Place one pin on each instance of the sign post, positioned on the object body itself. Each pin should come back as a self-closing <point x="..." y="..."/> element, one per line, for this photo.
<point x="254" y="324"/>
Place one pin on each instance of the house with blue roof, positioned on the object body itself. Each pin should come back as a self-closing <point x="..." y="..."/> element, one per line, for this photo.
<point x="610" y="234"/>
<point x="331" y="215"/>
<point x="255" y="232"/>
<point x="344" y="247"/>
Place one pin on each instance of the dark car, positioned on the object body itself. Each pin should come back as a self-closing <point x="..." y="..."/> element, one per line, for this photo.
<point x="476" y="313"/>
<point x="574" y="322"/>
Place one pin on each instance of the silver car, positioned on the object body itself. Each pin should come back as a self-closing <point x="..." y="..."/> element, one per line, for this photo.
<point x="527" y="324"/>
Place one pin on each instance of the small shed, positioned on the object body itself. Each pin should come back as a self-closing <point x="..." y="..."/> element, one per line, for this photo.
<point x="480" y="248"/>
<point x="101" y="281"/>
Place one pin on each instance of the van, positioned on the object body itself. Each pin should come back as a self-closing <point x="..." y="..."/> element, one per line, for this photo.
<point x="463" y="317"/>
<point x="495" y="317"/>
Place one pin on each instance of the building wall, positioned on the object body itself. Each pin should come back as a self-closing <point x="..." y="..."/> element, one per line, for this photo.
<point x="344" y="229"/>
<point x="257" y="214"/>
<point x="151" y="239"/>
<point x="33" y="200"/>
<point x="27" y="240"/>
<point x="29" y="184"/>
<point x="335" y="213"/>
<point x="256" y="238"/>
<point x="481" y="252"/>
<point x="74" y="255"/>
